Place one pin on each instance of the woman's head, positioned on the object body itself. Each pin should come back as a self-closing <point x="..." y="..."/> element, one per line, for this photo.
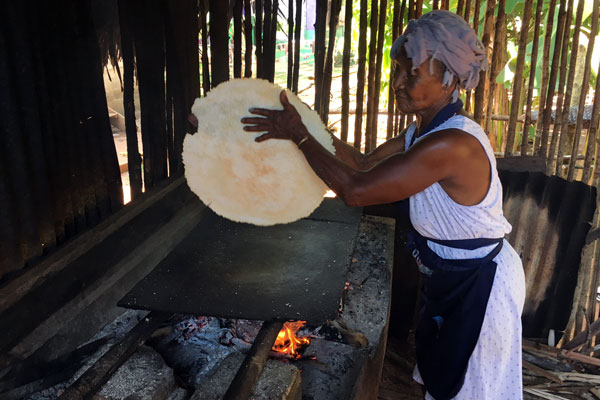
<point x="422" y="88"/>
<point x="454" y="52"/>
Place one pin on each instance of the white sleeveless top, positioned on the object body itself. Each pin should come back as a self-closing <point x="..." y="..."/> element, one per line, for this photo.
<point x="435" y="215"/>
<point x="494" y="369"/>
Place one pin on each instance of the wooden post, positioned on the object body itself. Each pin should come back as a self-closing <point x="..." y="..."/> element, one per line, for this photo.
<point x="360" y="75"/>
<point x="183" y="78"/>
<point x="237" y="38"/>
<point x="334" y="16"/>
<point x="371" y="75"/>
<point x="297" y="45"/>
<point x="419" y="8"/>
<point x="134" y="158"/>
<point x="391" y="102"/>
<point x="378" y="67"/>
<point x="569" y="90"/>
<point x="290" y="53"/>
<point x="150" y="62"/>
<point x="320" y="30"/>
<point x="258" y="33"/>
<point x="460" y="7"/>
<point x="544" y="83"/>
<point x="205" y="61"/>
<point x="266" y="39"/>
<point x="584" y="89"/>
<point x="467" y="13"/>
<point x="515" y="108"/>
<point x="346" y="70"/>
<point x="592" y="145"/>
<point x="486" y="38"/>
<point x="273" y="41"/>
<point x="496" y="57"/>
<point x="556" y="56"/>
<point x="467" y="16"/>
<point x="219" y="41"/>
<point x="435" y="5"/>
<point x="476" y="11"/>
<point x="248" y="37"/>
<point x="532" y="69"/>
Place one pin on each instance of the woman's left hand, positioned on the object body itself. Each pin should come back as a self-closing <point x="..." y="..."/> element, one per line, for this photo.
<point x="278" y="124"/>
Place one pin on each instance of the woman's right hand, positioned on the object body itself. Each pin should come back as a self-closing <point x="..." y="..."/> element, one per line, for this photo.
<point x="278" y="124"/>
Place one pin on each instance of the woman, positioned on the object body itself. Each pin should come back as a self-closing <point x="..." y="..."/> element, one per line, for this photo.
<point x="468" y="337"/>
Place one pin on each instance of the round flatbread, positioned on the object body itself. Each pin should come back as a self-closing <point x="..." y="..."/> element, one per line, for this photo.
<point x="260" y="183"/>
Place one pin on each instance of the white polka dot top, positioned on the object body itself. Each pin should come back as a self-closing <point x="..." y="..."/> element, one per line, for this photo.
<point x="434" y="214"/>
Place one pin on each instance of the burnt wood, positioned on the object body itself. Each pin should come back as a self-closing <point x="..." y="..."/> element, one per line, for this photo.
<point x="234" y="270"/>
<point x="93" y="379"/>
<point x="32" y="375"/>
<point x="248" y="373"/>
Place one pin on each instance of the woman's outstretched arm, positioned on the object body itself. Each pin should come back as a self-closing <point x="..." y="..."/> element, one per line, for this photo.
<point x="447" y="157"/>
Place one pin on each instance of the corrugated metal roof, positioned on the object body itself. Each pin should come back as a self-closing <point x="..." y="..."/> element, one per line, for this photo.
<point x="551" y="218"/>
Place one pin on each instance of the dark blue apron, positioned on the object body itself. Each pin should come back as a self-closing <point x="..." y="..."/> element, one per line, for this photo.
<point x="454" y="299"/>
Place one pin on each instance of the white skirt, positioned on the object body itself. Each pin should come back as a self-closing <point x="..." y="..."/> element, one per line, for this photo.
<point x="495" y="367"/>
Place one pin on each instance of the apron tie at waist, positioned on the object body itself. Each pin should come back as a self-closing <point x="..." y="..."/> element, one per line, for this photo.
<point x="455" y="295"/>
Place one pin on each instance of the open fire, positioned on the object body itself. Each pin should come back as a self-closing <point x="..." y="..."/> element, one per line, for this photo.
<point x="288" y="342"/>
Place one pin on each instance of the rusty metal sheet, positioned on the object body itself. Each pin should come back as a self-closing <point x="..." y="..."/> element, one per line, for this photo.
<point x="234" y="270"/>
<point x="550" y="218"/>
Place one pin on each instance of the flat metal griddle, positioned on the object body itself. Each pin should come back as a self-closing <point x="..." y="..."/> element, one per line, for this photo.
<point x="235" y="270"/>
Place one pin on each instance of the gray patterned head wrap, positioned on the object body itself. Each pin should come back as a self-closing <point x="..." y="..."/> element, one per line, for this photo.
<point x="447" y="37"/>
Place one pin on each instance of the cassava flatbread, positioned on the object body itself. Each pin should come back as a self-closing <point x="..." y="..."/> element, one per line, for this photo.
<point x="260" y="183"/>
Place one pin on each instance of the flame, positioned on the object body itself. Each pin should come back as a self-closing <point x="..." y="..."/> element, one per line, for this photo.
<point x="287" y="342"/>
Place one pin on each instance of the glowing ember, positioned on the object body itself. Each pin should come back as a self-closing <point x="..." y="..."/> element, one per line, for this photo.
<point x="287" y="342"/>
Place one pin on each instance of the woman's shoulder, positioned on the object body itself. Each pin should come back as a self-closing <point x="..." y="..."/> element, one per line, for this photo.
<point x="464" y="123"/>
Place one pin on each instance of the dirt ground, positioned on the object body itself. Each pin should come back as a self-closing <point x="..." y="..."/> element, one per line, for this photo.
<point x="396" y="379"/>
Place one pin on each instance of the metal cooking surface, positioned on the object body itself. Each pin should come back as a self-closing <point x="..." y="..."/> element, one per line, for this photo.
<point x="233" y="270"/>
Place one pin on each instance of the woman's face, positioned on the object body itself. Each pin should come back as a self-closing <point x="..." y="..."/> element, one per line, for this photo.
<point x="419" y="90"/>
